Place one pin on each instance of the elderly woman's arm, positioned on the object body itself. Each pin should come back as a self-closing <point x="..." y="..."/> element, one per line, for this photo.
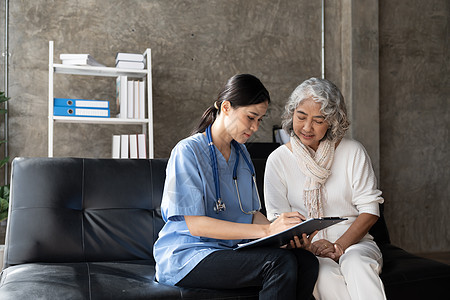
<point x="353" y="235"/>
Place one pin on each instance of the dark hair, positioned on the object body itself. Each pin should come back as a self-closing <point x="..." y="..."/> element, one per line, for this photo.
<point x="240" y="90"/>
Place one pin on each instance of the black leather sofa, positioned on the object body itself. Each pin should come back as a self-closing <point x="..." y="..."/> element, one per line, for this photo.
<point x="84" y="229"/>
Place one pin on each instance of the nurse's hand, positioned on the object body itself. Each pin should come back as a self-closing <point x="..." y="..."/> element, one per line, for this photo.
<point x="285" y="221"/>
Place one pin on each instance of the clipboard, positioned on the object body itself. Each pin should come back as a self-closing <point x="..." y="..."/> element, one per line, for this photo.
<point x="284" y="237"/>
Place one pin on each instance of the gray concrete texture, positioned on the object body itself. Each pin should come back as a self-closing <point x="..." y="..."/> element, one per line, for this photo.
<point x="414" y="118"/>
<point x="197" y="45"/>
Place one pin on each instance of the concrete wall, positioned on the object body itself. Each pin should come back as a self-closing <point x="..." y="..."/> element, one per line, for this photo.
<point x="197" y="45"/>
<point x="414" y="122"/>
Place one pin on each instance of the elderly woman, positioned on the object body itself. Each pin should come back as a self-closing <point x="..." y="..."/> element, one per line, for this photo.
<point x="319" y="173"/>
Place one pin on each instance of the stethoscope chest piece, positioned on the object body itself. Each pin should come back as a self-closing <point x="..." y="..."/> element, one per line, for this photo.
<point x="219" y="206"/>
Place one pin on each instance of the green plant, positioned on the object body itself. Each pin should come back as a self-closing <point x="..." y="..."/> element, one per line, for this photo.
<point x="4" y="201"/>
<point x="4" y="189"/>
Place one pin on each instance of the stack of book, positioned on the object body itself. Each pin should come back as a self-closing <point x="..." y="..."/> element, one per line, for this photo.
<point x="129" y="146"/>
<point x="80" y="108"/>
<point x="130" y="61"/>
<point x="130" y="98"/>
<point x="79" y="60"/>
<point x="280" y="135"/>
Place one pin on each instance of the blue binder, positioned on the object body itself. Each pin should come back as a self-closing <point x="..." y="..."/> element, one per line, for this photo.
<point x="80" y="112"/>
<point x="81" y="103"/>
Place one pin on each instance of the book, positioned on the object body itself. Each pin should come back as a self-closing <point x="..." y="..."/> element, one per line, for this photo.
<point x="141" y="99"/>
<point x="136" y="99"/>
<point x="79" y="59"/>
<point x="130" y="99"/>
<point x="123" y="64"/>
<point x="80" y="112"/>
<point x="124" y="147"/>
<point x="133" y="146"/>
<point x="122" y="96"/>
<point x="281" y="136"/>
<point x="284" y="237"/>
<point x="81" y="103"/>
<point x="142" y="146"/>
<point x="82" y="62"/>
<point x="64" y="56"/>
<point x="116" y="146"/>
<point x="129" y="57"/>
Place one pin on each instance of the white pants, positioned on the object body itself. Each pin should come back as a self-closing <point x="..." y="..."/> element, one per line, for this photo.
<point x="355" y="277"/>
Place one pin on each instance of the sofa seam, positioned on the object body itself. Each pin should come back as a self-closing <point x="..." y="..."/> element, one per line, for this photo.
<point x="83" y="246"/>
<point x="89" y="281"/>
<point x="152" y="208"/>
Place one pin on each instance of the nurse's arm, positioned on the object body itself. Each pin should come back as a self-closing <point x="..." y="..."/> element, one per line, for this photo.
<point x="219" y="229"/>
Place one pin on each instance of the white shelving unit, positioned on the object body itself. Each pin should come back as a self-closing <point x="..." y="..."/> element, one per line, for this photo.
<point x="147" y="124"/>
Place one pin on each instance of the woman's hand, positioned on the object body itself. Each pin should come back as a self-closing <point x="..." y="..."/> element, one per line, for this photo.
<point x="325" y="248"/>
<point x="304" y="243"/>
<point x="285" y="221"/>
<point x="353" y="235"/>
<point x="338" y="251"/>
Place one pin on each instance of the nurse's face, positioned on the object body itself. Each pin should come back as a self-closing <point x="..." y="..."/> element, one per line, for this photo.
<point x="243" y="121"/>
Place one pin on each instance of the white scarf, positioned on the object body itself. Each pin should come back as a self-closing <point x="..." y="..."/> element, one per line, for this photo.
<point x="316" y="167"/>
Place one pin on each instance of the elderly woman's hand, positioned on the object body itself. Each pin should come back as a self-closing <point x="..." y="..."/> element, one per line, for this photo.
<point x="338" y="251"/>
<point x="304" y="242"/>
<point x="325" y="248"/>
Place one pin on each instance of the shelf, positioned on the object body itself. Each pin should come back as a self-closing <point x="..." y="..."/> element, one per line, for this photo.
<point x="97" y="71"/>
<point x="146" y="74"/>
<point x="93" y="120"/>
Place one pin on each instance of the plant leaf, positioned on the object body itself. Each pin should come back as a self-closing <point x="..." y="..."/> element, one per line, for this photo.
<point x="4" y="205"/>
<point x="4" y="161"/>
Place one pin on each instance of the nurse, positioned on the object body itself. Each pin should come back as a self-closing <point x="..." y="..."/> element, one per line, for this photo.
<point x="211" y="204"/>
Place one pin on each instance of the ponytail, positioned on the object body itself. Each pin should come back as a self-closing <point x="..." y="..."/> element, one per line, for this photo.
<point x="240" y="90"/>
<point x="208" y="117"/>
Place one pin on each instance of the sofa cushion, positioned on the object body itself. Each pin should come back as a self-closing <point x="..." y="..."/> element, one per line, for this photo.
<point x="85" y="228"/>
<point x="76" y="210"/>
<point x="131" y="280"/>
<point x="408" y="276"/>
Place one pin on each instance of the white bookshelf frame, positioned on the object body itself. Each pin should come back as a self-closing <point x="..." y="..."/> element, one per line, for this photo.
<point x="147" y="124"/>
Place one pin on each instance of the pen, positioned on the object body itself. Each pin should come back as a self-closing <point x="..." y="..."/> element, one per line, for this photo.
<point x="277" y="215"/>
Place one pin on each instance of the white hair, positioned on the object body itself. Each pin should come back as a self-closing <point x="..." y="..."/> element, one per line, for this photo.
<point x="332" y="103"/>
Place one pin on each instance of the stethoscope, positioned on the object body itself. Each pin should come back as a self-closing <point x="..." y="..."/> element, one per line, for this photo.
<point x="220" y="205"/>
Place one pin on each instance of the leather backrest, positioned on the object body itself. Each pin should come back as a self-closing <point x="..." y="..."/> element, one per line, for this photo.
<point x="75" y="209"/>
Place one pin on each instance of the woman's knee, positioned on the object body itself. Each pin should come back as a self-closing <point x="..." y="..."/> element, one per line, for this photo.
<point x="284" y="260"/>
<point x="279" y="268"/>
<point x="353" y="262"/>
<point x="292" y="263"/>
<point x="306" y="261"/>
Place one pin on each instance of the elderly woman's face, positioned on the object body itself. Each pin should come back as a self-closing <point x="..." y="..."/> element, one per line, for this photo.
<point x="309" y="124"/>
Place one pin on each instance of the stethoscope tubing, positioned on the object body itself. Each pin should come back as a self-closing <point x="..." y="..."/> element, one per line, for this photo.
<point x="220" y="205"/>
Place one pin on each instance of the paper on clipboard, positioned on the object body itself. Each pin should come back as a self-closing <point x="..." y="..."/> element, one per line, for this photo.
<point x="284" y="237"/>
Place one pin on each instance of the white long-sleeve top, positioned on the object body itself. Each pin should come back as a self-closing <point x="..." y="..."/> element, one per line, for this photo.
<point x="350" y="190"/>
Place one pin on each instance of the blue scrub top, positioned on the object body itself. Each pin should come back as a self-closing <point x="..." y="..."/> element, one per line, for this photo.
<point x="189" y="190"/>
